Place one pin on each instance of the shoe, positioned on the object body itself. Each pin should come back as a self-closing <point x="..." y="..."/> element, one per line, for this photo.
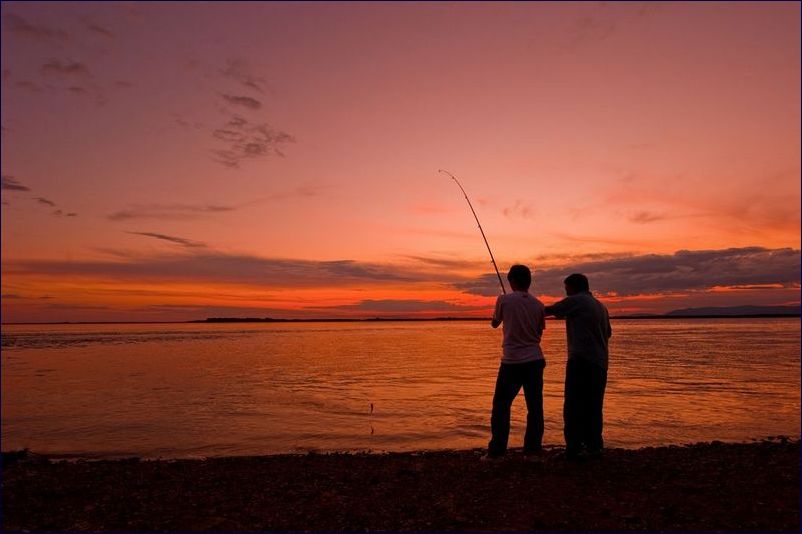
<point x="491" y="458"/>
<point x="535" y="455"/>
<point x="570" y="456"/>
<point x="594" y="454"/>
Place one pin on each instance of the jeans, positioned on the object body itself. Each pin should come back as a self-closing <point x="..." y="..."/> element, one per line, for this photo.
<point x="511" y="377"/>
<point x="585" y="383"/>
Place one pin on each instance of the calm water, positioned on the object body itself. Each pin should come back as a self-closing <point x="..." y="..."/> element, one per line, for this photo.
<point x="196" y="389"/>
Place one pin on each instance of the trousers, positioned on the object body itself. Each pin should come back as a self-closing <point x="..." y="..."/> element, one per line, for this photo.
<point x="585" y="383"/>
<point x="511" y="378"/>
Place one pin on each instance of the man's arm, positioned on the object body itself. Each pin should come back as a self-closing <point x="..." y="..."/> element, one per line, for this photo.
<point x="560" y="309"/>
<point x="496" y="320"/>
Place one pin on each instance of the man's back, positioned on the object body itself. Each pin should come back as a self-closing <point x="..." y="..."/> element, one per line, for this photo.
<point x="523" y="317"/>
<point x="587" y="326"/>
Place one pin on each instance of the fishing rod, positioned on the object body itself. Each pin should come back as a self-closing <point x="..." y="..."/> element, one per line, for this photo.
<point x="492" y="259"/>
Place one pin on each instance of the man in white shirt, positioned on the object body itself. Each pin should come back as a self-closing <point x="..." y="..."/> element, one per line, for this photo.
<point x="522" y="363"/>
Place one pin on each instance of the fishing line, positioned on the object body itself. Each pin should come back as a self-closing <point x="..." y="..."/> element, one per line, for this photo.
<point x="492" y="259"/>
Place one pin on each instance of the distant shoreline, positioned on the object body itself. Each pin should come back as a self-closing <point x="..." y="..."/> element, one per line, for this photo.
<point x="216" y="320"/>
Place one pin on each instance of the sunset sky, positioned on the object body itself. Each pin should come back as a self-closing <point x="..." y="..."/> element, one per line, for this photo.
<point x="173" y="161"/>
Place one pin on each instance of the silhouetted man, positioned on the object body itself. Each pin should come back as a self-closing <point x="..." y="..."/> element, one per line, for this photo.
<point x="587" y="325"/>
<point x="522" y="363"/>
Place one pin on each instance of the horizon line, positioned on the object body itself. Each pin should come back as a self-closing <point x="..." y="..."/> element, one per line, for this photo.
<point x="213" y="320"/>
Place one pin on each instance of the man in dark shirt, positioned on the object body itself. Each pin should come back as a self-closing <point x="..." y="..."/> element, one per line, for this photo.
<point x="587" y="325"/>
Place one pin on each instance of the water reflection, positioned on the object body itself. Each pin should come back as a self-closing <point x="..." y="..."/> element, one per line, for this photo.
<point x="179" y="390"/>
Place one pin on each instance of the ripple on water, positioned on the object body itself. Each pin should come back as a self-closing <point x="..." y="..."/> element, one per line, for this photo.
<point x="176" y="390"/>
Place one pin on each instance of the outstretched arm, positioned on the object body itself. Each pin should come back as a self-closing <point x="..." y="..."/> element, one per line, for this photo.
<point x="560" y="309"/>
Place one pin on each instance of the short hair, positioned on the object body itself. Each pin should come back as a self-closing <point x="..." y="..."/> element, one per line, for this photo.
<point x="520" y="275"/>
<point x="578" y="282"/>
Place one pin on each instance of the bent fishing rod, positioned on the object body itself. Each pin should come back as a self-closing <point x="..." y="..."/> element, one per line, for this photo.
<point x="492" y="259"/>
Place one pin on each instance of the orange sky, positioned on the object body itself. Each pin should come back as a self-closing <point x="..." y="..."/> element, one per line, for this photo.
<point x="176" y="161"/>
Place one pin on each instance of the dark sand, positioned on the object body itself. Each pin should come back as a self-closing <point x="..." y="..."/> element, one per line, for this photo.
<point x="702" y="487"/>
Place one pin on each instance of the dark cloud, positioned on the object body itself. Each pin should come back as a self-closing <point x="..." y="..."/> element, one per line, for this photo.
<point x="645" y="217"/>
<point x="29" y="86"/>
<point x="98" y="29"/>
<point x="244" y="101"/>
<point x="20" y="26"/>
<point x="209" y="266"/>
<point x="12" y="184"/>
<point x="487" y="285"/>
<point x="576" y="258"/>
<point x="46" y="202"/>
<point x="245" y="140"/>
<point x="403" y="306"/>
<point x="446" y="263"/>
<point x="168" y="211"/>
<point x="66" y="68"/>
<point x="520" y="210"/>
<point x="117" y="253"/>
<point x="649" y="8"/>
<point x="238" y="70"/>
<point x="62" y="213"/>
<point x="684" y="270"/>
<point x="195" y="211"/>
<point x="75" y="306"/>
<point x="77" y="90"/>
<point x="188" y="243"/>
<point x="15" y="296"/>
<point x="202" y="311"/>
<point x="588" y="31"/>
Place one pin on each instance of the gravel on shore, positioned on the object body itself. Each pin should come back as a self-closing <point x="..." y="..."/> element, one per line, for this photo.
<point x="702" y="487"/>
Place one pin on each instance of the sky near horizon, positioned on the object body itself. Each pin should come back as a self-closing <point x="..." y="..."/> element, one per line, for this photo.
<point x="172" y="161"/>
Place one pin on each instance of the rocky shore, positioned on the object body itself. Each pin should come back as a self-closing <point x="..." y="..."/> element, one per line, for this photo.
<point x="701" y="487"/>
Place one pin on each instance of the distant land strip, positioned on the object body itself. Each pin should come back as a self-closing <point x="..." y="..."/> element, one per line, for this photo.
<point x="429" y="319"/>
<point x="734" y="312"/>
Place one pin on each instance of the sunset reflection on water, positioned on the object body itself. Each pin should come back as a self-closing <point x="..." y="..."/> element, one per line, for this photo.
<point x="176" y="390"/>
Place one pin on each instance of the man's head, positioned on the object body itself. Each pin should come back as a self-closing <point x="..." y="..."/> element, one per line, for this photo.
<point x="519" y="277"/>
<point x="576" y="283"/>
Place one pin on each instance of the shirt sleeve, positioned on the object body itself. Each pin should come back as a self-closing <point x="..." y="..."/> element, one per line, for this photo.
<point x="497" y="317"/>
<point x="561" y="309"/>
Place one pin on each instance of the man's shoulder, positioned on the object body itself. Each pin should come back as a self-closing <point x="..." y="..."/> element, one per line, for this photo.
<point x="534" y="303"/>
<point x="520" y="295"/>
<point x="593" y="298"/>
